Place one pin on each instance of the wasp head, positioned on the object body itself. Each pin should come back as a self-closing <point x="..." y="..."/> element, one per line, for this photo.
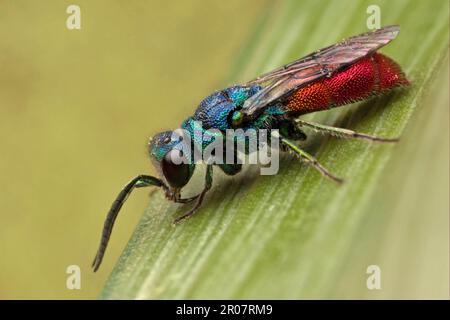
<point x="167" y="150"/>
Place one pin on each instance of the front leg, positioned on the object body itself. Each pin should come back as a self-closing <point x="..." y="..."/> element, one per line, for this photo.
<point x="187" y="200"/>
<point x="208" y="184"/>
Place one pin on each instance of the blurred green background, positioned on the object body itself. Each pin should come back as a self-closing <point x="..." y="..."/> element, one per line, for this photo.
<point x="77" y="109"/>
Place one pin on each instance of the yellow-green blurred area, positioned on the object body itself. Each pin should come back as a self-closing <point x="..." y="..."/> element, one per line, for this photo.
<point x="77" y="108"/>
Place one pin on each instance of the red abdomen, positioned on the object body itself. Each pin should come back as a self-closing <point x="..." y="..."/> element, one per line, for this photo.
<point x="369" y="76"/>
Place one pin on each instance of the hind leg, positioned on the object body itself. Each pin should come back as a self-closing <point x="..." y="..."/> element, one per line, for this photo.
<point x="342" y="133"/>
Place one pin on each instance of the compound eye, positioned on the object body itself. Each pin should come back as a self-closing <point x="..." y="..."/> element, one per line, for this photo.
<point x="177" y="175"/>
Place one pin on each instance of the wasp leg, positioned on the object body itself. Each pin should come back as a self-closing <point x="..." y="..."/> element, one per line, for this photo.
<point x="187" y="200"/>
<point x="138" y="182"/>
<point x="208" y="184"/>
<point x="309" y="159"/>
<point x="343" y="133"/>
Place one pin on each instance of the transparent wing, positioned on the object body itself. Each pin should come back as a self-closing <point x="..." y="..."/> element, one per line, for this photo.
<point x="282" y="81"/>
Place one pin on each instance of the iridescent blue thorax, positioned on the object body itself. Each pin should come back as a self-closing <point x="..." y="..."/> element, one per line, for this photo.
<point x="215" y="110"/>
<point x="213" y="115"/>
